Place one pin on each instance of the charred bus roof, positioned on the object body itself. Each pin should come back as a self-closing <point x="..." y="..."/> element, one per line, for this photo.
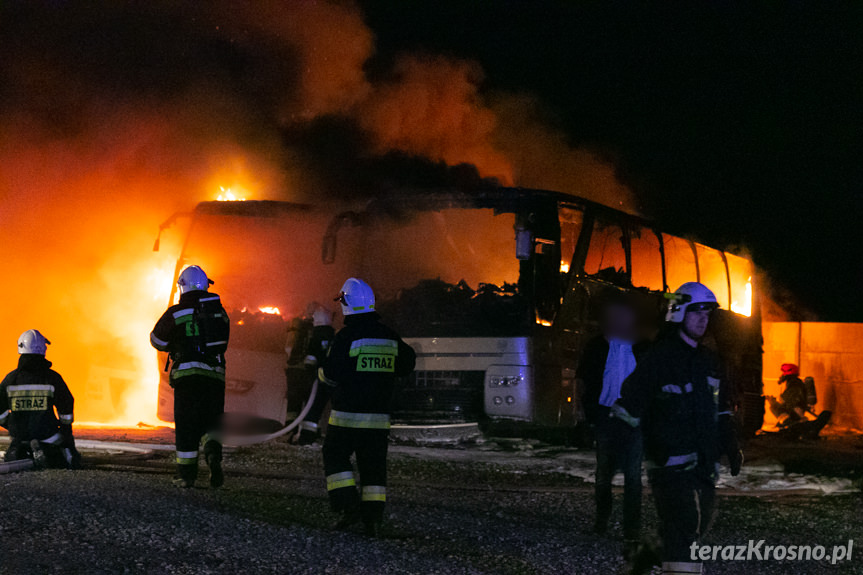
<point x="500" y="199"/>
<point x="251" y="208"/>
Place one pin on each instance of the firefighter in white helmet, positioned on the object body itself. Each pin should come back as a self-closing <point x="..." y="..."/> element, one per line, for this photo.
<point x="361" y="369"/>
<point x="679" y="396"/>
<point x="195" y="333"/>
<point x="29" y="397"/>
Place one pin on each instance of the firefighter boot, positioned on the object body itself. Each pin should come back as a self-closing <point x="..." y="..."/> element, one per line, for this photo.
<point x="307" y="437"/>
<point x="350" y="516"/>
<point x="72" y="457"/>
<point x="186" y="475"/>
<point x="39" y="459"/>
<point x="372" y="528"/>
<point x="213" y="457"/>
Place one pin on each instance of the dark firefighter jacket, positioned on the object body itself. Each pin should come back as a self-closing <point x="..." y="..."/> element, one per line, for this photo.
<point x="794" y="394"/>
<point x="28" y="398"/>
<point x="195" y="334"/>
<point x="321" y="339"/>
<point x="311" y="345"/>
<point x="680" y="397"/>
<point x="361" y="368"/>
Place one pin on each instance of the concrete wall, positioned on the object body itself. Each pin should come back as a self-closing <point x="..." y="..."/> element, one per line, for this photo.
<point x="832" y="353"/>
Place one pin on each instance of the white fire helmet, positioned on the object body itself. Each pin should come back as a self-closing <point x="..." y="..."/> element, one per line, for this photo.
<point x="688" y="295"/>
<point x="31" y="341"/>
<point x="322" y="316"/>
<point x="356" y="297"/>
<point x="193" y="278"/>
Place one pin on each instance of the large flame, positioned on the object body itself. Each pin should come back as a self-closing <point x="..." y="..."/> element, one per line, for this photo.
<point x="744" y="307"/>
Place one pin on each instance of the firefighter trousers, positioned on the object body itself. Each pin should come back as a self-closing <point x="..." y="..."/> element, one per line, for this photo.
<point x="199" y="404"/>
<point x="370" y="446"/>
<point x="684" y="503"/>
<point x="313" y="417"/>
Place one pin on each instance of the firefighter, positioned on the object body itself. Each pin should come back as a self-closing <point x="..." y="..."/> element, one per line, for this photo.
<point x="796" y="399"/>
<point x="195" y="332"/>
<point x="680" y="399"/>
<point x="361" y="368"/>
<point x="29" y="397"/>
<point x="791" y="406"/>
<point x="319" y="343"/>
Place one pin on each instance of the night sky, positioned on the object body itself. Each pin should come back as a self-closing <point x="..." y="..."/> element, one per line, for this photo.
<point x="736" y="123"/>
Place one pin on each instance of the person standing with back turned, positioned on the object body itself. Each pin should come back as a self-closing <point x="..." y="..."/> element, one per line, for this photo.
<point x="361" y="368"/>
<point x="195" y="333"/>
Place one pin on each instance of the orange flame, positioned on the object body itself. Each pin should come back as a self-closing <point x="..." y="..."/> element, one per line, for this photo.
<point x="228" y="196"/>
<point x="744" y="307"/>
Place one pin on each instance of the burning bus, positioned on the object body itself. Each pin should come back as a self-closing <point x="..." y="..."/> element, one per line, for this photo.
<point x="496" y="289"/>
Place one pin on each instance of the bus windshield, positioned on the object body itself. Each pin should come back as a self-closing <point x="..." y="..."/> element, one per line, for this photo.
<point x="266" y="270"/>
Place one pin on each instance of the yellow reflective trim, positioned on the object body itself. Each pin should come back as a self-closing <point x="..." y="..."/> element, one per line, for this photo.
<point x="340" y="480"/>
<point x="374" y="493"/>
<point x="360" y="420"/>
<point x="30" y="393"/>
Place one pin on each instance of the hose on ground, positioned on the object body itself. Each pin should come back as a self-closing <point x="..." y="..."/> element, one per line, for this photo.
<point x="244" y="440"/>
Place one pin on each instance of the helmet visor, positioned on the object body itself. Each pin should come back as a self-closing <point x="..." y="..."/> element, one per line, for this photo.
<point x="705" y="306"/>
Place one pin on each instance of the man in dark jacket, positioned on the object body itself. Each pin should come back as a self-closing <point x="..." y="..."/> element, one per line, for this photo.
<point x="195" y="334"/>
<point x="29" y="397"/>
<point x="361" y="369"/>
<point x="679" y="397"/>
<point x="607" y="360"/>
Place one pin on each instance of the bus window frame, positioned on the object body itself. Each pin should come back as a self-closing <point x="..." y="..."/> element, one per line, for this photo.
<point x="628" y="225"/>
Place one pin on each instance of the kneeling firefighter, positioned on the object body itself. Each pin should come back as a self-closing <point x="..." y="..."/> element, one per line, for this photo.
<point x="195" y="333"/>
<point x="29" y="397"/>
<point x="361" y="368"/>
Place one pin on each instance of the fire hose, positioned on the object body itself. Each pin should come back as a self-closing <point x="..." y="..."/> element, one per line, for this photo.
<point x="239" y="441"/>
<point x="13" y="466"/>
<point x="242" y="441"/>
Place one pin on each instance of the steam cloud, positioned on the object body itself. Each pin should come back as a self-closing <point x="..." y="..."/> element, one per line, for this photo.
<point x="115" y="115"/>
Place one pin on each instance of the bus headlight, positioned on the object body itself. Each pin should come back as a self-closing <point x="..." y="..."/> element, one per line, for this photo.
<point x="509" y="391"/>
<point x="504" y="381"/>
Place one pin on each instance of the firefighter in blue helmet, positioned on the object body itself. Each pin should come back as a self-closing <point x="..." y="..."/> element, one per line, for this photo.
<point x="195" y="332"/>
<point x="29" y="397"/>
<point x="360" y="369"/>
<point x="679" y="397"/>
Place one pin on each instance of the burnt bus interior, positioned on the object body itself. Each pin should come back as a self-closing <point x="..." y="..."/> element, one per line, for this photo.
<point x="497" y="263"/>
<point x="507" y="263"/>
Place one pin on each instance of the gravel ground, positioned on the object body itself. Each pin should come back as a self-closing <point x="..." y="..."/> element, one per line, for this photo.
<point x="445" y="515"/>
